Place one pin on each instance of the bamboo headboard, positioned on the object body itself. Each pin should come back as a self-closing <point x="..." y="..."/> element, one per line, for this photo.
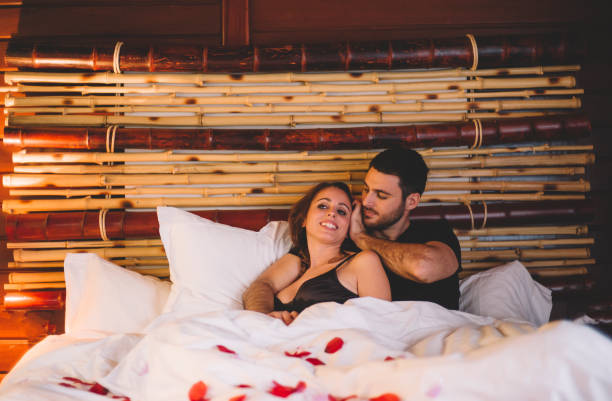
<point x="241" y="133"/>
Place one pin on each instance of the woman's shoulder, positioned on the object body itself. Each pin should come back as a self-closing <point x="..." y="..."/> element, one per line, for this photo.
<point x="365" y="259"/>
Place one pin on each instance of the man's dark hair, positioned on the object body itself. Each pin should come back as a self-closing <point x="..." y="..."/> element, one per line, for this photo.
<point x="406" y="164"/>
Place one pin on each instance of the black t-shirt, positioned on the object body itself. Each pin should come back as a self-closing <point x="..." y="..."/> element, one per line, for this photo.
<point x="444" y="292"/>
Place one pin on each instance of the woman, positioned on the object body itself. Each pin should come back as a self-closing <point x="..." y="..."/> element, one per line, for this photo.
<point x="319" y="268"/>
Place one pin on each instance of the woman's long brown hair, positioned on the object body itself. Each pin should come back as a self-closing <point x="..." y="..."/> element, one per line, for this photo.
<point x="297" y="216"/>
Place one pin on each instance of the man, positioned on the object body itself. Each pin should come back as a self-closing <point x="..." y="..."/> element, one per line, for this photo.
<point x="422" y="259"/>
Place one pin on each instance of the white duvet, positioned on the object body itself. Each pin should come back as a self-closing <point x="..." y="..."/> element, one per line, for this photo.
<point x="366" y="349"/>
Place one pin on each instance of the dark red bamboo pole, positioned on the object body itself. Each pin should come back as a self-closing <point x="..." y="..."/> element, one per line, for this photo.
<point x="35" y="300"/>
<point x="55" y="299"/>
<point x="60" y="226"/>
<point x="430" y="135"/>
<point x="493" y="51"/>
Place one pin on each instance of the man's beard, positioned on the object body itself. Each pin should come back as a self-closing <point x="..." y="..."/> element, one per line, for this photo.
<point x="384" y="221"/>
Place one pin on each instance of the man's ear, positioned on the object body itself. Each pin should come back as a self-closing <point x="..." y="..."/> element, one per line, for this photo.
<point x="412" y="200"/>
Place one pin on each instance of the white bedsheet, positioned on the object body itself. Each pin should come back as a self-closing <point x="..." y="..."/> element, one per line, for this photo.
<point x="413" y="350"/>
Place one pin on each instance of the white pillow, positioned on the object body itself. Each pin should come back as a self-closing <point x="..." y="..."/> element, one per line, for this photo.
<point x="506" y="292"/>
<point x="102" y="296"/>
<point x="212" y="264"/>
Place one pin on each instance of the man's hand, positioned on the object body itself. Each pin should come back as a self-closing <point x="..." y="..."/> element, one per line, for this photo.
<point x="285" y="316"/>
<point x="356" y="228"/>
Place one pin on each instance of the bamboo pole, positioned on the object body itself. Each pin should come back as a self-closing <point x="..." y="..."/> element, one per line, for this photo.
<point x="477" y="84"/>
<point x="146" y="262"/>
<point x="279" y="167"/>
<point x="504" y="131"/>
<point x="33" y="286"/>
<point x="540" y="243"/>
<point x="434" y="159"/>
<point x="84" y="244"/>
<point x="22" y="255"/>
<point x="304" y="110"/>
<point x="85" y="180"/>
<point x="256" y="120"/>
<point x="202" y="191"/>
<point x="563" y="186"/>
<point x="221" y="178"/>
<point x="486" y="232"/>
<point x="12" y="77"/>
<point x="56" y="277"/>
<point x="529" y="263"/>
<point x="217" y="168"/>
<point x="559" y="272"/>
<point x="520" y="254"/>
<point x="92" y="101"/>
<point x="42" y="277"/>
<point x="526" y="230"/>
<point x="15" y="206"/>
<point x="543" y="272"/>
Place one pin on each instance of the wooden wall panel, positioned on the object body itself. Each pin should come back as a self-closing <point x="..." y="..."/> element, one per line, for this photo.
<point x="317" y="21"/>
<point x="134" y="21"/>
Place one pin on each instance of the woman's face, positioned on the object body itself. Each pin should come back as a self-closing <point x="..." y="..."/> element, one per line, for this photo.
<point x="329" y="215"/>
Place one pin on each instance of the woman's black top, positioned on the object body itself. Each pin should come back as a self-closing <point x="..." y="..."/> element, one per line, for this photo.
<point x="323" y="288"/>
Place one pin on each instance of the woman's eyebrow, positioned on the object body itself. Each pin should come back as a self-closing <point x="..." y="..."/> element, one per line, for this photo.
<point x="340" y="203"/>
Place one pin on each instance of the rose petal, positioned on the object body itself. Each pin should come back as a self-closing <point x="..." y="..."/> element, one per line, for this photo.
<point x="240" y="397"/>
<point x="389" y="358"/>
<point x="386" y="397"/>
<point x="223" y="348"/>
<point x="285" y="391"/>
<point x="79" y="381"/>
<point x="297" y="354"/>
<point x="332" y="398"/>
<point x="244" y="386"/>
<point x="197" y="391"/>
<point x="97" y="388"/>
<point x="334" y="345"/>
<point x="67" y="385"/>
<point x="315" y="361"/>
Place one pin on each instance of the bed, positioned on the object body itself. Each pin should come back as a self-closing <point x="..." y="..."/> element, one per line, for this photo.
<point x="130" y="336"/>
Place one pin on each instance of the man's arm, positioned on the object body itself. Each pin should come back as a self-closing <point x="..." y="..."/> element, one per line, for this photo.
<point x="423" y="263"/>
<point x="259" y="296"/>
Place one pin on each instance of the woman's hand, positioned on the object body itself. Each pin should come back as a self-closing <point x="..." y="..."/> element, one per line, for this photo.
<point x="285" y="316"/>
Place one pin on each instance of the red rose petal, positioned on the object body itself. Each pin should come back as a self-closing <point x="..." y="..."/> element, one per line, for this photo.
<point x="315" y="361"/>
<point x="240" y="397"/>
<point x="223" y="348"/>
<point x="297" y="354"/>
<point x="389" y="358"/>
<point x="197" y="391"/>
<point x="98" y="389"/>
<point x="285" y="391"/>
<point x="386" y="397"/>
<point x="244" y="386"/>
<point x="79" y="381"/>
<point x="67" y="385"/>
<point x="334" y="345"/>
<point x="332" y="398"/>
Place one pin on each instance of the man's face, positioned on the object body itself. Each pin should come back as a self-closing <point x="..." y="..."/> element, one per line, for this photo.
<point x="382" y="200"/>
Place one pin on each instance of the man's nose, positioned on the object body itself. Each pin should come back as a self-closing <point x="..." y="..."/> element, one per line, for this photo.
<point x="368" y="199"/>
